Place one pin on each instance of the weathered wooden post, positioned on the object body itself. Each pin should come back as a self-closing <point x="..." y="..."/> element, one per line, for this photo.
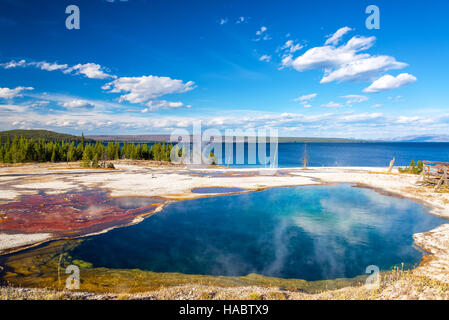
<point x="391" y="164"/>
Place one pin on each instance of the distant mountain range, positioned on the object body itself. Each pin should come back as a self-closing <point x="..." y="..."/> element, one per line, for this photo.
<point x="423" y="138"/>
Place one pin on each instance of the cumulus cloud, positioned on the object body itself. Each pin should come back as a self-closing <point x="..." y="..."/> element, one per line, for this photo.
<point x="336" y="37"/>
<point x="346" y="62"/>
<point x="363" y="69"/>
<point x="90" y="70"/>
<point x="355" y="98"/>
<point x="223" y="21"/>
<point x="143" y="90"/>
<point x="389" y="82"/>
<point x="265" y="57"/>
<point x="6" y="93"/>
<point x="78" y="104"/>
<point x="333" y="57"/>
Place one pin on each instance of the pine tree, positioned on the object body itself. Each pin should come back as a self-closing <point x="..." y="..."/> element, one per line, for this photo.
<point x="95" y="161"/>
<point x="86" y="160"/>
<point x="71" y="153"/>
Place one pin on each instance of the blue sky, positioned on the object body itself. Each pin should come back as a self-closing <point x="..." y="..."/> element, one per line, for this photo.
<point x="305" y="68"/>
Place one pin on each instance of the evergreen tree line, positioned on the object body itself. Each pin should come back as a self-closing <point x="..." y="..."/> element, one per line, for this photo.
<point x="20" y="149"/>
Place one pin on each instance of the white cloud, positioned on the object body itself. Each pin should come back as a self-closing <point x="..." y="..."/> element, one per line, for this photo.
<point x="13" y="64"/>
<point x="223" y="21"/>
<point x="363" y="69"/>
<point x="90" y="70"/>
<point x="47" y="66"/>
<point x="332" y="105"/>
<point x="262" y="30"/>
<point x="377" y="105"/>
<point x="331" y="57"/>
<point x="345" y="62"/>
<point x="43" y="65"/>
<point x="145" y="89"/>
<point x="389" y="82"/>
<point x="266" y="37"/>
<point x="6" y="93"/>
<point x="163" y="104"/>
<point x="241" y="20"/>
<point x="291" y="46"/>
<point x="265" y="57"/>
<point x="336" y="37"/>
<point x="355" y="98"/>
<point x="262" y="35"/>
<point x="306" y="97"/>
<point x="78" y="104"/>
<point x="287" y="61"/>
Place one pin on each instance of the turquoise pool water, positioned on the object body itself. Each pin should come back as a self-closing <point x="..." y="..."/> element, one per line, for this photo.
<point x="311" y="233"/>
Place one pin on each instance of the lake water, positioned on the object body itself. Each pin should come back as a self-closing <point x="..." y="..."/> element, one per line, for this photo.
<point x="351" y="154"/>
<point x="311" y="233"/>
<point x="376" y="154"/>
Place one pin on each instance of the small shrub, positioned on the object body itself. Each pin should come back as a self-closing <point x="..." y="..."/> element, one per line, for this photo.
<point x="254" y="296"/>
<point x="412" y="168"/>
<point x="110" y="165"/>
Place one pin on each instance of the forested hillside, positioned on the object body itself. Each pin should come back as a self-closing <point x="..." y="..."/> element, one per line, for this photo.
<point x="48" y="136"/>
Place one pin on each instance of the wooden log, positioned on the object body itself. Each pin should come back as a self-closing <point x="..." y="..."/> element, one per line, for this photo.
<point x="442" y="181"/>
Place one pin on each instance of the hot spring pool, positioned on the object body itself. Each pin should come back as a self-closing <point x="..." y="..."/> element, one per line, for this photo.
<point x="311" y="233"/>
